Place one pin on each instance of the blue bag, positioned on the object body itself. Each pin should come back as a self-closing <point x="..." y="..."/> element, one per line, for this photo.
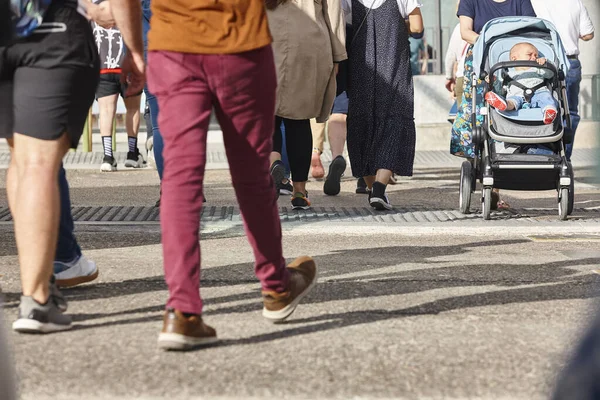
<point x="27" y="15"/>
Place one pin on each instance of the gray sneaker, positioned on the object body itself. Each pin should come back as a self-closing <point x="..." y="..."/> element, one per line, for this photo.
<point x="57" y="296"/>
<point x="40" y="318"/>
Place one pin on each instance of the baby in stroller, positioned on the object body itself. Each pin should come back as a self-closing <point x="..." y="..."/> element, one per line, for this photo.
<point x="527" y="87"/>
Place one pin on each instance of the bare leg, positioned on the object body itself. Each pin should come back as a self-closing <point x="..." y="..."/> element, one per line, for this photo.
<point x="132" y="118"/>
<point x="337" y="134"/>
<point x="383" y="176"/>
<point x="36" y="209"/>
<point x="369" y="180"/>
<point x="275" y="156"/>
<point x="108" y="109"/>
<point x="318" y="135"/>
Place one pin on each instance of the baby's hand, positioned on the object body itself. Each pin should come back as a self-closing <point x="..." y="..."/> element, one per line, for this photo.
<point x="541" y="61"/>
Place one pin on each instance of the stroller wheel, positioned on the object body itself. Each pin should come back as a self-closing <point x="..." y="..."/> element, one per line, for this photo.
<point x="466" y="187"/>
<point x="571" y="190"/>
<point x="563" y="204"/>
<point x="486" y="203"/>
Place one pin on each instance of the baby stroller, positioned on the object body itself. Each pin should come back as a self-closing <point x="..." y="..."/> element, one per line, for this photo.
<point x="501" y="160"/>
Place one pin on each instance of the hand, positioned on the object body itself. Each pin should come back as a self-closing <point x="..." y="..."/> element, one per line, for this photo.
<point x="541" y="61"/>
<point x="336" y="68"/>
<point x="450" y="85"/>
<point x="133" y="73"/>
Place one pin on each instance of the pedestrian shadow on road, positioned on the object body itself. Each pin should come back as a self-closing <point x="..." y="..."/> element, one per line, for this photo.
<point x="345" y="276"/>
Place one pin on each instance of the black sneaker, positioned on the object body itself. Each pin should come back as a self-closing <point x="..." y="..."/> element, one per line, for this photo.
<point x="134" y="159"/>
<point x="278" y="175"/>
<point x="300" y="201"/>
<point x="109" y="164"/>
<point x="378" y="199"/>
<point x="40" y="318"/>
<point x="334" y="177"/>
<point x="286" y="188"/>
<point x="361" y="186"/>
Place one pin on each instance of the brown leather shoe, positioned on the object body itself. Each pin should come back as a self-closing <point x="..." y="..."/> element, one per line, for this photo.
<point x="184" y="333"/>
<point x="303" y="276"/>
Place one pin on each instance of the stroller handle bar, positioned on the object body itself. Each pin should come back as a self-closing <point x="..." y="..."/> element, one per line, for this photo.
<point x="529" y="64"/>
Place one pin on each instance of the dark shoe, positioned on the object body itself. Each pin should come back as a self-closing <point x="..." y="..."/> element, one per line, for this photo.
<point x="109" y="164"/>
<point x="300" y="201"/>
<point x="303" y="277"/>
<point x="286" y="188"/>
<point x="361" y="186"/>
<point x="134" y="159"/>
<point x="334" y="177"/>
<point x="278" y="175"/>
<point x="40" y="318"/>
<point x="378" y="199"/>
<point x="182" y="332"/>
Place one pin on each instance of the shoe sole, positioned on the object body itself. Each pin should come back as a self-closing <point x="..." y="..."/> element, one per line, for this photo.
<point x="549" y="116"/>
<point x="380" y="204"/>
<point x="332" y="184"/>
<point x="78" y="280"/>
<point x="278" y="175"/>
<point x="33" y="326"/>
<point x="496" y="102"/>
<point x="285" y="192"/>
<point x="300" y="207"/>
<point x="133" y="164"/>
<point x="281" y="315"/>
<point x="107" y="168"/>
<point x="174" y="341"/>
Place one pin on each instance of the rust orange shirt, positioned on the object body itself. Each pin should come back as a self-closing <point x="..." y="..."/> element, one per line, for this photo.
<point x="208" y="26"/>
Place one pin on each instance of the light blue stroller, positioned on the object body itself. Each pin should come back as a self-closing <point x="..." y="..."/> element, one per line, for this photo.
<point x="501" y="143"/>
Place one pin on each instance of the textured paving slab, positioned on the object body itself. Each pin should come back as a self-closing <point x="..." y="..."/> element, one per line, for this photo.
<point x="217" y="159"/>
<point x="134" y="214"/>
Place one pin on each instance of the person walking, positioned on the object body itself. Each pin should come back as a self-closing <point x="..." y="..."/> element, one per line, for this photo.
<point x="47" y="83"/>
<point x="204" y="55"/>
<point x="473" y="15"/>
<point x="71" y="267"/>
<point x="381" y="128"/>
<point x="307" y="50"/>
<point x="102" y="15"/>
<point x="573" y="23"/>
<point x="112" y="52"/>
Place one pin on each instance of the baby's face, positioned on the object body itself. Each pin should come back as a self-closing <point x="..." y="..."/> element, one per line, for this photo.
<point x="526" y="53"/>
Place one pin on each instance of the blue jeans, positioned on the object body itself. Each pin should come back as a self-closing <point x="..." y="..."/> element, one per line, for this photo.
<point x="573" y="86"/>
<point x="152" y="102"/>
<point x="541" y="99"/>
<point x="67" y="248"/>
<point x="540" y="150"/>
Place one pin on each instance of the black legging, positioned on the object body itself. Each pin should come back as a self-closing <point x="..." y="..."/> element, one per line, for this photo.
<point x="298" y="143"/>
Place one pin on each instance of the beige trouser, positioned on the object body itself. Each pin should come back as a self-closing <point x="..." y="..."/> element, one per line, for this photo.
<point x="318" y="134"/>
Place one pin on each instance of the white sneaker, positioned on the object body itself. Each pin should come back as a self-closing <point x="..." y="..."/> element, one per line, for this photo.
<point x="75" y="272"/>
<point x="150" y="153"/>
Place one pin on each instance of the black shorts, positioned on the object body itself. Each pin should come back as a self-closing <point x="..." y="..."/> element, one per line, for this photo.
<point x="48" y="80"/>
<point x="110" y="84"/>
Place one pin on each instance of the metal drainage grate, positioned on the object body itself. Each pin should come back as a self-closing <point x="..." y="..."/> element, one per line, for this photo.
<point x="135" y="214"/>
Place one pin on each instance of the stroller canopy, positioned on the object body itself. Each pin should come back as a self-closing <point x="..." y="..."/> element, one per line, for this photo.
<point x="513" y="28"/>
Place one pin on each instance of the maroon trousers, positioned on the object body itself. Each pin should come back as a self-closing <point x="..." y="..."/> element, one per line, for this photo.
<point x="241" y="88"/>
